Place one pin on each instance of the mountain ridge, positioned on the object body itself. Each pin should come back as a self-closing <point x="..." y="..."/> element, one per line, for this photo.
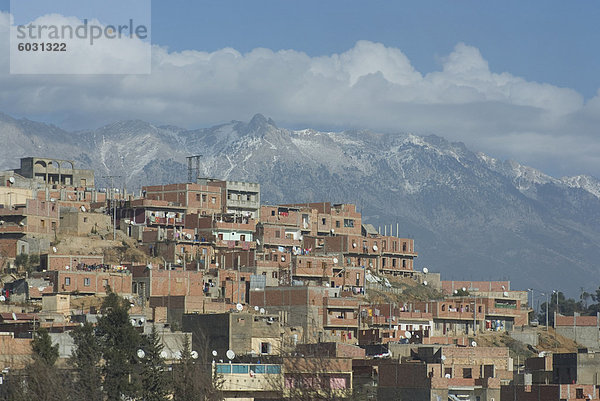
<point x="472" y="215"/>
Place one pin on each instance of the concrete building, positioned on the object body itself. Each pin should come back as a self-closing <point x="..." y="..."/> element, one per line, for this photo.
<point x="239" y="198"/>
<point x="446" y="373"/>
<point x="196" y="198"/>
<point x="55" y="172"/>
<point x="321" y="312"/>
<point x="556" y="377"/>
<point x="584" y="330"/>
<point x="28" y="228"/>
<point x="242" y="332"/>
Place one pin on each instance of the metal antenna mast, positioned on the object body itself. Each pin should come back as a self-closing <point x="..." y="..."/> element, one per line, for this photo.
<point x="191" y="177"/>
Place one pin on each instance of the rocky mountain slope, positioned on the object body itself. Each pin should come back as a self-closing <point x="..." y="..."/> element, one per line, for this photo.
<point x="472" y="216"/>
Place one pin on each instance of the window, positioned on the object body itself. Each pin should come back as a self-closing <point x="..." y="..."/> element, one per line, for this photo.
<point x="309" y="264"/>
<point x="220" y="236"/>
<point x="337" y="224"/>
<point x="274" y="274"/>
<point x="448" y="372"/>
<point x="67" y="280"/>
<point x="197" y="197"/>
<point x="579" y="393"/>
<point x="105" y="283"/>
<point x="85" y="219"/>
<point x="273" y="369"/>
<point x="54" y="225"/>
<point x="403" y="262"/>
<point x="239" y="368"/>
<point x="348" y="223"/>
<point x="467" y="373"/>
<point x="277" y="234"/>
<point x="213" y="200"/>
<point x="43" y="223"/>
<point x="242" y="237"/>
<point x="225" y="368"/>
<point x="204" y="198"/>
<point x="86" y="282"/>
<point x="272" y="212"/>
<point x="324" y="221"/>
<point x="258" y="369"/>
<point x="265" y="348"/>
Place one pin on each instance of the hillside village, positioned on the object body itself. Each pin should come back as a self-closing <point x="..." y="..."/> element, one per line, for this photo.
<point x="279" y="300"/>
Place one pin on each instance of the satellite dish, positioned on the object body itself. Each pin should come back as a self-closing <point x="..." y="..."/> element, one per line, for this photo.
<point x="375" y="247"/>
<point x="239" y="307"/>
<point x="230" y="354"/>
<point x="256" y="308"/>
<point x="178" y="261"/>
<point x="425" y="270"/>
<point x="424" y="282"/>
<point x="407" y="334"/>
<point x="188" y="236"/>
<point x="354" y="245"/>
<point x="163" y="354"/>
<point x="67" y="267"/>
<point x="217" y="264"/>
<point x="132" y="322"/>
<point x="456" y="291"/>
<point x="194" y="354"/>
<point x="54" y="249"/>
<point x="141" y="353"/>
<point x="21" y="224"/>
<point x="282" y="258"/>
<point x="257" y="241"/>
<point x="52" y="200"/>
<point x="443" y="357"/>
<point x="505" y="293"/>
<point x="2" y="222"/>
<point x="447" y="376"/>
<point x="335" y="260"/>
<point x="141" y="321"/>
<point x="262" y="311"/>
<point x="332" y="231"/>
<point x="2" y="298"/>
<point x="11" y="180"/>
<point x="473" y="343"/>
<point x="464" y="289"/>
<point x="177" y="354"/>
<point x="214" y="353"/>
<point x="83" y="208"/>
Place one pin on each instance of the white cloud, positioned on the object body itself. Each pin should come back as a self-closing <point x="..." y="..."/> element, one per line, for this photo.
<point x="368" y="86"/>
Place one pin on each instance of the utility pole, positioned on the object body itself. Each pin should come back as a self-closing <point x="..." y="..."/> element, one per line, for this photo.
<point x="112" y="205"/>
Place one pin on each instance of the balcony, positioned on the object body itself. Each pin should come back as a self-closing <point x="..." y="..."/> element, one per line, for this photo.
<point x="12" y="229"/>
<point x="341" y="303"/>
<point x="334" y="321"/>
<point x="312" y="272"/>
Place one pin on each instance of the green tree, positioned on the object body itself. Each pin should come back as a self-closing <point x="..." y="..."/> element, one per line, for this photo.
<point x="119" y="343"/>
<point x="86" y="362"/>
<point x="43" y="348"/>
<point x="155" y="384"/>
<point x="195" y="377"/>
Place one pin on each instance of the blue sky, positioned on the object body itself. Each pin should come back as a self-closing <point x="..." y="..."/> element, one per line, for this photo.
<point x="517" y="80"/>
<point x="544" y="41"/>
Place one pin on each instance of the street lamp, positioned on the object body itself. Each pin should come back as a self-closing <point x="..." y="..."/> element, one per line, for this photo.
<point x="556" y="292"/>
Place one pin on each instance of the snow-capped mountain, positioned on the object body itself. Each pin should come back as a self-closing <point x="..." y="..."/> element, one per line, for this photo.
<point x="472" y="216"/>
